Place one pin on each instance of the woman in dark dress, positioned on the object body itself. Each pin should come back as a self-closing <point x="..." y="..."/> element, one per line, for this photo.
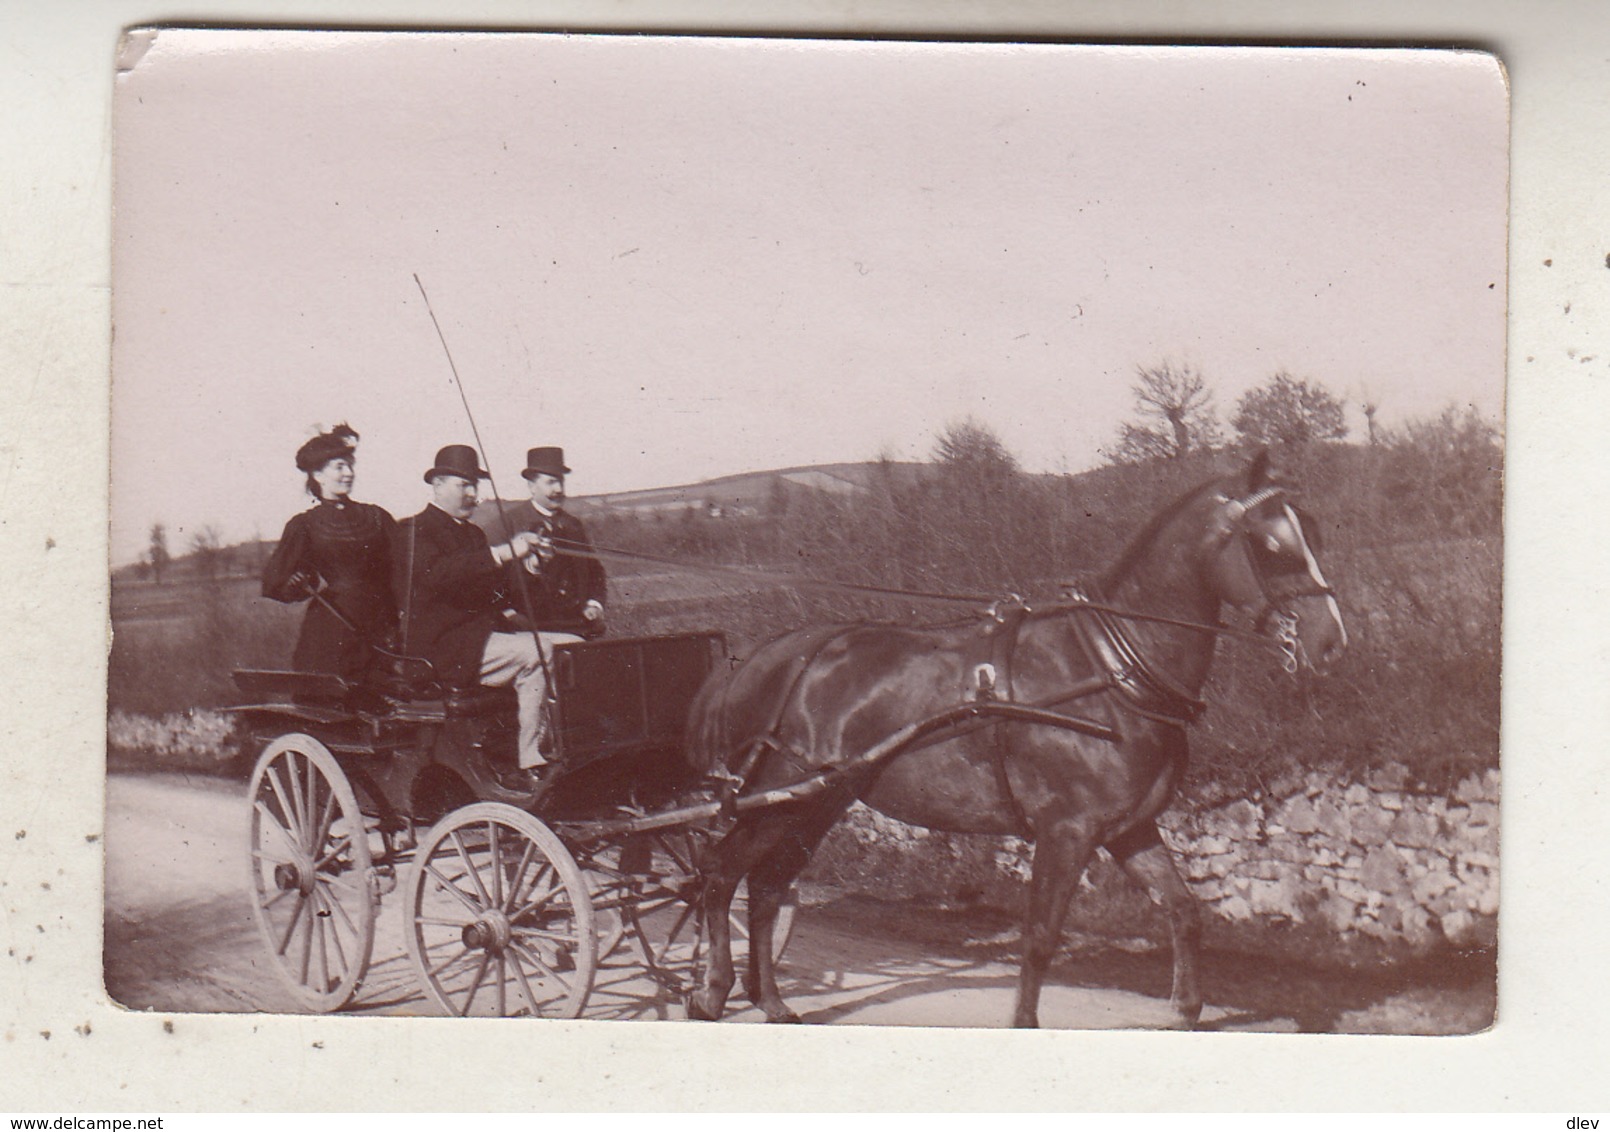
<point x="339" y="549"/>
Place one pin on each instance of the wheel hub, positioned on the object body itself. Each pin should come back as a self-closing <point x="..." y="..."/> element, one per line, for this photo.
<point x="297" y="875"/>
<point x="489" y="933"/>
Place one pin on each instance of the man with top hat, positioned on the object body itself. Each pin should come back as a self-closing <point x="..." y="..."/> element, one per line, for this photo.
<point x="564" y="590"/>
<point x="450" y="581"/>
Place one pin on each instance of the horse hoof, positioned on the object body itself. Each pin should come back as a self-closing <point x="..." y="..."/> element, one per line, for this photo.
<point x="785" y="1017"/>
<point x="698" y="1013"/>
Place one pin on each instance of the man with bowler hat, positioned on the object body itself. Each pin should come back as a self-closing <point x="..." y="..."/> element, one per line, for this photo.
<point x="565" y="588"/>
<point x="450" y="580"/>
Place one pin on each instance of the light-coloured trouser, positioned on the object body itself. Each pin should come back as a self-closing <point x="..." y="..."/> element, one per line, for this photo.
<point x="511" y="658"/>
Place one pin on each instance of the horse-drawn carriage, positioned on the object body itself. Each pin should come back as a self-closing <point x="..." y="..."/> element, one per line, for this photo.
<point x="682" y="780"/>
<point x="501" y="913"/>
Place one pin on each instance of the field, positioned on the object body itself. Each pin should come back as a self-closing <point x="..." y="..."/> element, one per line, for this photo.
<point x="1412" y="541"/>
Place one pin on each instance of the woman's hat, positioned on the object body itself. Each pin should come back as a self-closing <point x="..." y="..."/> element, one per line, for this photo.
<point x="545" y="461"/>
<point x="457" y="460"/>
<point x="340" y="443"/>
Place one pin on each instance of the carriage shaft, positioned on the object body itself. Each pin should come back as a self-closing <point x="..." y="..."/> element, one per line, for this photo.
<point x="903" y="740"/>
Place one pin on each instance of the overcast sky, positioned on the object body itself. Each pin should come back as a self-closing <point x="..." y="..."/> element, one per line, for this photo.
<point x="681" y="258"/>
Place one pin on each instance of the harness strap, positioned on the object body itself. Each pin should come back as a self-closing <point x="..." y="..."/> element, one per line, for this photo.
<point x="736" y="778"/>
<point x="1142" y="689"/>
<point x="1007" y="623"/>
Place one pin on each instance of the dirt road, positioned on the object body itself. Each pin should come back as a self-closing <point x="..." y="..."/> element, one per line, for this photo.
<point x="180" y="937"/>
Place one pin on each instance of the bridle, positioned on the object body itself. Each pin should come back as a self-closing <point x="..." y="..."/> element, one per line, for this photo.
<point x="1277" y="586"/>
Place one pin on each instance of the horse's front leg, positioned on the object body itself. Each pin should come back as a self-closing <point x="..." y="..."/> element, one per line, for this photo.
<point x="1060" y="856"/>
<point x="1150" y="864"/>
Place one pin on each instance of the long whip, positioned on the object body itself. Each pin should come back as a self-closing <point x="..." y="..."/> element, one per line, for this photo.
<point x="503" y="514"/>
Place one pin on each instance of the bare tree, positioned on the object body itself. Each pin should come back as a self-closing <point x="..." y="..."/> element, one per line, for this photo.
<point x="1289" y="410"/>
<point x="1175" y="415"/>
<point x="971" y="446"/>
<point x="159" y="551"/>
<point x="1370" y="406"/>
<point x="208" y="547"/>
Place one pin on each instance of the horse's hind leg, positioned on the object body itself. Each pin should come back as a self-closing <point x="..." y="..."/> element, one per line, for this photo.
<point x="1150" y="864"/>
<point x="1060" y="856"/>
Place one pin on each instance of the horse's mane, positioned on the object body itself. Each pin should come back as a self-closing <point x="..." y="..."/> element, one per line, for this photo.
<point x="1141" y="542"/>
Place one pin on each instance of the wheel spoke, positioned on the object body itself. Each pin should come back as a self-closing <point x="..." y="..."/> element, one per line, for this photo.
<point x="522" y="983"/>
<point x="297" y="799"/>
<point x="496" y="863"/>
<point x="480" y="974"/>
<point x="554" y="934"/>
<point x="323" y="827"/>
<point x="290" y="816"/>
<point x="517" y="882"/>
<point x="545" y="869"/>
<point x="436" y="971"/>
<point x="340" y="910"/>
<point x="463" y="897"/>
<point x="343" y="843"/>
<point x="311" y="797"/>
<point x="463" y="854"/>
<point x="335" y="936"/>
<point x="503" y="986"/>
<point x="342" y="882"/>
<point x="673" y="937"/>
<point x="275" y="823"/>
<point x="290" y="929"/>
<point x="538" y="901"/>
<point x="546" y="971"/>
<point x="307" y="939"/>
<point x="322" y="926"/>
<point x="279" y="894"/>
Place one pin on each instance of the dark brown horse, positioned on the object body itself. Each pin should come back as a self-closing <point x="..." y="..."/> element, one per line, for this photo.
<point x="829" y="695"/>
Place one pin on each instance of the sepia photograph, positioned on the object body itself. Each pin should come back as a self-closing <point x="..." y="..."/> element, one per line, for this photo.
<point x="866" y="532"/>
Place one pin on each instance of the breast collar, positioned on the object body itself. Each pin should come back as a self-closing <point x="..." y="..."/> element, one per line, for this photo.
<point x="1142" y="688"/>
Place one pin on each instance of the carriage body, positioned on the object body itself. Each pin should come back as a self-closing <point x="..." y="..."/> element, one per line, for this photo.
<point x="360" y="791"/>
<point x="618" y="709"/>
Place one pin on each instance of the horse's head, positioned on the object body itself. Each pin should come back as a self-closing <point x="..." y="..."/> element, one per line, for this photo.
<point x="1262" y="552"/>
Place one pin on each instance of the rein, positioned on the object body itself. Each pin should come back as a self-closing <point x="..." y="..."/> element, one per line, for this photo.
<point x="992" y="602"/>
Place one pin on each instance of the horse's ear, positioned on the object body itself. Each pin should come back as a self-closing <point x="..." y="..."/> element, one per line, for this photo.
<point x="1258" y="473"/>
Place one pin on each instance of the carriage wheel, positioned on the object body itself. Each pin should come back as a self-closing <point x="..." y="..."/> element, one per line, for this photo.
<point x="310" y="870"/>
<point x="685" y="941"/>
<point x="652" y="882"/>
<point x="500" y="921"/>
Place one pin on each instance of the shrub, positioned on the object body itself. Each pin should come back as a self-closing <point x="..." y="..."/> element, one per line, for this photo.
<point x="183" y="659"/>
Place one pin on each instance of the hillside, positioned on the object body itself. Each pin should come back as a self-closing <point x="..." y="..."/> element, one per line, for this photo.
<point x="741" y="494"/>
<point x="749" y="493"/>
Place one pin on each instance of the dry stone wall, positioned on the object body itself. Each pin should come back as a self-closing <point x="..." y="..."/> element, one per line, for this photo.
<point x="1374" y="861"/>
<point x="1372" y="858"/>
